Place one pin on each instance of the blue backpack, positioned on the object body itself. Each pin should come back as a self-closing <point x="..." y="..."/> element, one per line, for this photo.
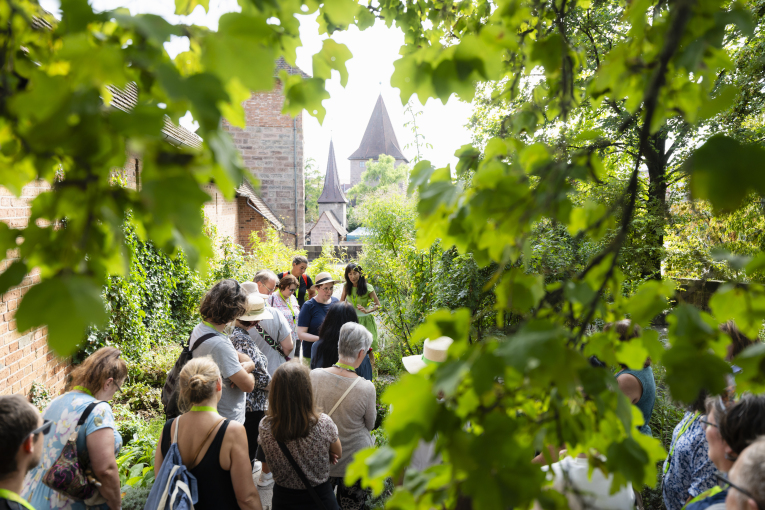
<point x="175" y="488"/>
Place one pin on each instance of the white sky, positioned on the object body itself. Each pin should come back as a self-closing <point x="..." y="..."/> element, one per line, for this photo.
<point x="349" y="108"/>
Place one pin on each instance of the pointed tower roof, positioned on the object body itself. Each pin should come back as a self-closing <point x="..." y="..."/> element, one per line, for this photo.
<point x="379" y="137"/>
<point x="333" y="192"/>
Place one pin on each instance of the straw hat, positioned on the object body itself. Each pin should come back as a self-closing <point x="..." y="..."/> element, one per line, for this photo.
<point x="433" y="351"/>
<point x="323" y="278"/>
<point x="256" y="309"/>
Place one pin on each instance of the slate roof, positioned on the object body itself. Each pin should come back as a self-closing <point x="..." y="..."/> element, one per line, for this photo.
<point x="126" y="99"/>
<point x="333" y="221"/>
<point x="332" y="192"/>
<point x="379" y="137"/>
<point x="282" y="64"/>
<point x="246" y="190"/>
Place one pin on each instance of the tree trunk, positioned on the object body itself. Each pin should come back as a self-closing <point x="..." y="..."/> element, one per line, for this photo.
<point x="657" y="210"/>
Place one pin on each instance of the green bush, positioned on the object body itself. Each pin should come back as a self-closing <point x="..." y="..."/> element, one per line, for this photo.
<point x="135" y="462"/>
<point x="134" y="497"/>
<point x="388" y="360"/>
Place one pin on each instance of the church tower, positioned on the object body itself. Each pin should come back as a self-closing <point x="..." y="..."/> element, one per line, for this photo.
<point x="379" y="138"/>
<point x="332" y="198"/>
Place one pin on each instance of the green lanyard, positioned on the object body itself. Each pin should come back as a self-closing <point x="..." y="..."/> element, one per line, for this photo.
<point x="12" y="496"/>
<point x="706" y="494"/>
<point x="287" y="302"/>
<point x="343" y="365"/>
<point x="210" y="326"/>
<point x="84" y="390"/>
<point x="205" y="408"/>
<point x="679" y="434"/>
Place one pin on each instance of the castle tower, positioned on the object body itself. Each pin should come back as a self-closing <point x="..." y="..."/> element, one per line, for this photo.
<point x="379" y="138"/>
<point x="332" y="198"/>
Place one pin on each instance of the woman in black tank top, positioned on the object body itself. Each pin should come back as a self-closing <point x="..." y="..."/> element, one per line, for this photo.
<point x="217" y="488"/>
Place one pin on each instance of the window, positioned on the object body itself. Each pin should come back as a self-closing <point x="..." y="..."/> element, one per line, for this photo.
<point x="361" y="164"/>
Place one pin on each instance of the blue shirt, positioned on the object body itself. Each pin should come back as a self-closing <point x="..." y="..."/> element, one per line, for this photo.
<point x="312" y="314"/>
<point x="317" y="361"/>
<point x="690" y="470"/>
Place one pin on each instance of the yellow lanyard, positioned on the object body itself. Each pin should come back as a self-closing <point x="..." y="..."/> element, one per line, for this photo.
<point x="84" y="390"/>
<point x="287" y="302"/>
<point x="12" y="496"/>
<point x="679" y="435"/>
<point x="205" y="408"/>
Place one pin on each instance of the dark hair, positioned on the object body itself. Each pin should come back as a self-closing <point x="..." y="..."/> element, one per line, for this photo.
<point x="224" y="302"/>
<point x="626" y="331"/>
<point x="329" y="333"/>
<point x="361" y="290"/>
<point x="291" y="411"/>
<point x="739" y="340"/>
<point x="17" y="419"/>
<point x="92" y="373"/>
<point x="700" y="403"/>
<point x="287" y="280"/>
<point x="743" y="422"/>
<point x="299" y="259"/>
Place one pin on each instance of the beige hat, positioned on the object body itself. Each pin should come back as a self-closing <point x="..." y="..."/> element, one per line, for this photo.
<point x="249" y="287"/>
<point x="256" y="309"/>
<point x="433" y="351"/>
<point x="323" y="278"/>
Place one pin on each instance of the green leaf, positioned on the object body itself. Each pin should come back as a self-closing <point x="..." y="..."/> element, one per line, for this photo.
<point x="13" y="276"/>
<point x="303" y="93"/>
<point x="331" y="56"/>
<point x="649" y="301"/>
<point x="185" y="7"/>
<point x="690" y="371"/>
<point x="723" y="180"/>
<point x="68" y="305"/>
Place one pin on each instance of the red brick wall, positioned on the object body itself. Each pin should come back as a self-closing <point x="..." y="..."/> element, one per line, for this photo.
<point x="250" y="221"/>
<point x="267" y="145"/>
<point x="24" y="355"/>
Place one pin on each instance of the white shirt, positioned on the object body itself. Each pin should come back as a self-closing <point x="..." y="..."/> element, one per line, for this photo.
<point x="584" y="493"/>
<point x="277" y="328"/>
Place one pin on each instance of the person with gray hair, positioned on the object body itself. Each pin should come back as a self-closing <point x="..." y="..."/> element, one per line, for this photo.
<point x="350" y="401"/>
<point x="747" y="479"/>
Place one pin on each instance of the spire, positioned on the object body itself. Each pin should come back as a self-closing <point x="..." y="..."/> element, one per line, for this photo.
<point x="332" y="193"/>
<point x="379" y="137"/>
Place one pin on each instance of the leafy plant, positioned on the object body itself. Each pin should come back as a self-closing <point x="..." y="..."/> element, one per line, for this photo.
<point x="134" y="497"/>
<point x="40" y="396"/>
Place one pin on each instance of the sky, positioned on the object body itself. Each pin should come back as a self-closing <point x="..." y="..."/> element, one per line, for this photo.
<point x="348" y="109"/>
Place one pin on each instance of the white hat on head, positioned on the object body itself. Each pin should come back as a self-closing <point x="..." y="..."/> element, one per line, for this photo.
<point x="256" y="309"/>
<point x="249" y="287"/>
<point x="323" y="278"/>
<point x="433" y="352"/>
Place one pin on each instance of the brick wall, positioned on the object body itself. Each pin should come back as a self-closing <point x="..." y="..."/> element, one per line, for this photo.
<point x="24" y="355"/>
<point x="270" y="150"/>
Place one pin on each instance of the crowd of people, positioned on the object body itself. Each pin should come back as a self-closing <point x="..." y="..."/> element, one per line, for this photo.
<point x="277" y="381"/>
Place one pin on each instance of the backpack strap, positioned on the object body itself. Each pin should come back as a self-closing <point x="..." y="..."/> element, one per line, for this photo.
<point x="201" y="340"/>
<point x="303" y="478"/>
<point x="342" y="397"/>
<point x="305" y="279"/>
<point x="87" y="411"/>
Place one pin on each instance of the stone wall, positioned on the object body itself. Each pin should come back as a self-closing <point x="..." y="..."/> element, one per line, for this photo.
<point x="344" y="252"/>
<point x="222" y="213"/>
<point x="323" y="231"/>
<point x="271" y="150"/>
<point x="339" y="210"/>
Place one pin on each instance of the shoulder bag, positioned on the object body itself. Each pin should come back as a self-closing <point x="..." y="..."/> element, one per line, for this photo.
<point x="303" y="478"/>
<point x="69" y="475"/>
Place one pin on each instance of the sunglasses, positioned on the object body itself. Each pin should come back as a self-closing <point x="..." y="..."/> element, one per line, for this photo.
<point x="708" y="424"/>
<point x="43" y="429"/>
<point x="248" y="324"/>
<point x="746" y="493"/>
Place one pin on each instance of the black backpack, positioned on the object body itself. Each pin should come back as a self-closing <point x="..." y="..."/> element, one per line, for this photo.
<point x="170" y="389"/>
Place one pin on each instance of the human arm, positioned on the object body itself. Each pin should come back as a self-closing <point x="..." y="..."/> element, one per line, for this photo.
<point x="335" y="451"/>
<point x="343" y="295"/>
<point x="241" y="470"/>
<point x="260" y="373"/>
<point x="373" y="308"/>
<point x="630" y="386"/>
<point x="100" y="444"/>
<point x="243" y="380"/>
<point x="370" y="415"/>
<point x="243" y="358"/>
<point x="303" y="334"/>
<point x="158" y="457"/>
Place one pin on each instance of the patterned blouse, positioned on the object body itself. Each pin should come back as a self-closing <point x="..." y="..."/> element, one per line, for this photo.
<point x="311" y="453"/>
<point x="291" y="314"/>
<point x="257" y="400"/>
<point x="689" y="471"/>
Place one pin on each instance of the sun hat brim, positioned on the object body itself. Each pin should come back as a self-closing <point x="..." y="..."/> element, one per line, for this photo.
<point x="262" y="315"/>
<point x="322" y="282"/>
<point x="413" y="364"/>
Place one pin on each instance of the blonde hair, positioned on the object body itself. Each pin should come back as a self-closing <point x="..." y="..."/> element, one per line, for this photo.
<point x="197" y="382"/>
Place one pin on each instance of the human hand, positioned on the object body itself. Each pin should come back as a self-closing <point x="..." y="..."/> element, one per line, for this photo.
<point x="333" y="458"/>
<point x="361" y="308"/>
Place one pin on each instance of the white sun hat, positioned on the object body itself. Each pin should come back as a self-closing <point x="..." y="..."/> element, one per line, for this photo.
<point x="256" y="309"/>
<point x="433" y="352"/>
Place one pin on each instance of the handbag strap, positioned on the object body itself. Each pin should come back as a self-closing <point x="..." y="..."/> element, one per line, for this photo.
<point x="303" y="478"/>
<point x="344" y="395"/>
<point x="87" y="411"/>
<point x="270" y="341"/>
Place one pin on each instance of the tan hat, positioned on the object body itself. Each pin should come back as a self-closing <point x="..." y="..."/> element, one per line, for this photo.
<point x="433" y="351"/>
<point x="323" y="278"/>
<point x="256" y="309"/>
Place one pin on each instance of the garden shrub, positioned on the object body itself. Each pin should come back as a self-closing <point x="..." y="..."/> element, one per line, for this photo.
<point x="134" y="497"/>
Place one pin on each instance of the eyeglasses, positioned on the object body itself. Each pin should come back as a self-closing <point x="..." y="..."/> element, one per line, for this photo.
<point x="269" y="289"/>
<point x="44" y="429"/>
<point x="328" y="289"/>
<point x="291" y="290"/>
<point x="746" y="493"/>
<point x="709" y="424"/>
<point x="247" y="324"/>
<point x="119" y="387"/>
